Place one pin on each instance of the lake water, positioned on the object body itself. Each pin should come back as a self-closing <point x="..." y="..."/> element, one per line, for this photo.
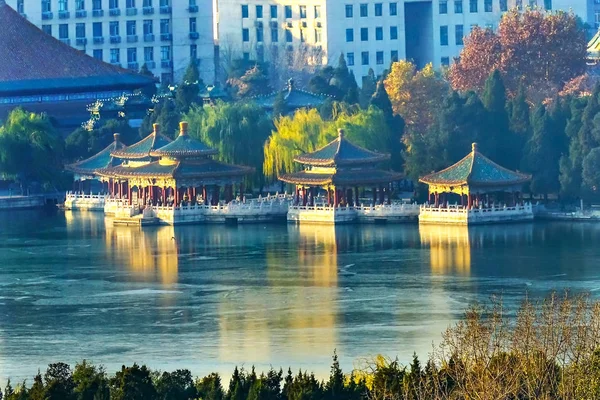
<point x="210" y="297"/>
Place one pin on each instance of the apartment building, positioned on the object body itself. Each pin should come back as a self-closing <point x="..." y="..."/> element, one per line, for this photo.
<point x="163" y="34"/>
<point x="370" y="33"/>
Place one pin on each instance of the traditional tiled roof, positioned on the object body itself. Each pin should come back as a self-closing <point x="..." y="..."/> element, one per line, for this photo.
<point x="184" y="146"/>
<point x="294" y="98"/>
<point x="101" y="160"/>
<point x="35" y="62"/>
<point x="349" y="177"/>
<point x="341" y="152"/>
<point x="141" y="150"/>
<point x="197" y="168"/>
<point x="476" y="170"/>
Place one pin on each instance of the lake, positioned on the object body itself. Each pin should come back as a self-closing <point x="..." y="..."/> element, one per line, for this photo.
<point x="210" y="297"/>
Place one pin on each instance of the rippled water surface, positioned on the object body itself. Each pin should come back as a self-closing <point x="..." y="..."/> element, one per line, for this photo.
<point x="210" y="297"/>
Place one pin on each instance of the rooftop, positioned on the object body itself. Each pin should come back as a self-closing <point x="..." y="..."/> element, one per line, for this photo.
<point x="184" y="146"/>
<point x="142" y="149"/>
<point x="101" y="160"/>
<point x="294" y="98"/>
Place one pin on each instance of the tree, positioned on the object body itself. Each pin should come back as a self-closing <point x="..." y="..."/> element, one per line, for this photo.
<point x="369" y="86"/>
<point x="132" y="383"/>
<point x="519" y="119"/>
<point x="395" y="123"/>
<point x="209" y="388"/>
<point x="59" y="382"/>
<point x="150" y="90"/>
<point x="37" y="390"/>
<point x="83" y="143"/>
<point x="541" y="50"/>
<point x="187" y="91"/>
<point x="334" y="388"/>
<point x="90" y="382"/>
<point x="279" y="105"/>
<point x="337" y="82"/>
<point x="591" y="171"/>
<point x="570" y="163"/>
<point x="177" y="385"/>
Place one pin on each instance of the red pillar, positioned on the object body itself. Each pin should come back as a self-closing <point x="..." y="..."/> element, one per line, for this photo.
<point x="381" y="195"/>
<point x="336" y="197"/>
<point x="374" y="196"/>
<point x="356" y="200"/>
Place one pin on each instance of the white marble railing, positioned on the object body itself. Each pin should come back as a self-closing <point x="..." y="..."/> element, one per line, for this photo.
<point x="70" y="196"/>
<point x="460" y="214"/>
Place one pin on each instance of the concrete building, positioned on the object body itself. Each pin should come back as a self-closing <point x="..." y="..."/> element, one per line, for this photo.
<point x="371" y="33"/>
<point x="163" y="34"/>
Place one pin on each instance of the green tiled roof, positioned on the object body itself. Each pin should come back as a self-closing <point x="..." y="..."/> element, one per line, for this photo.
<point x="142" y="149"/>
<point x="183" y="169"/>
<point x="293" y="98"/>
<point x="184" y="146"/>
<point x="349" y="177"/>
<point x="341" y="152"/>
<point x="103" y="159"/>
<point x="476" y="170"/>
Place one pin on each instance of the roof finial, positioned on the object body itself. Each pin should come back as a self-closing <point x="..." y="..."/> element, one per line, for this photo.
<point x="474" y="147"/>
<point x="116" y="135"/>
<point x="183" y="127"/>
<point x="341" y="133"/>
<point x="155" y="128"/>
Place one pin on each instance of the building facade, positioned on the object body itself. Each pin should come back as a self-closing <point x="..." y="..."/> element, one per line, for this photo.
<point x="163" y="34"/>
<point x="370" y="33"/>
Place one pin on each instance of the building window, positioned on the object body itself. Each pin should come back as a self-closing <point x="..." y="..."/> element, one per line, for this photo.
<point x="393" y="32"/>
<point x="193" y="25"/>
<point x="459" y="34"/>
<point x="302" y="12"/>
<point x="148" y="27"/>
<point x="62" y="5"/>
<point x="473" y="6"/>
<point x="148" y="54"/>
<point x="288" y="11"/>
<point x="80" y="5"/>
<point x="115" y="56"/>
<point x="63" y="31"/>
<point x="96" y="4"/>
<point x="80" y="30"/>
<point x="97" y="29"/>
<point x="244" y="11"/>
<point x="47" y="29"/>
<point x="259" y="34"/>
<point x="349" y="11"/>
<point x="245" y="35"/>
<point x="317" y="11"/>
<point x="259" y="11"/>
<point x="147" y="3"/>
<point x="349" y="35"/>
<point x="274" y="35"/>
<point x="113" y="28"/>
<point x="379" y="33"/>
<point x="444" y="35"/>
<point x="165" y="26"/>
<point x="46" y="6"/>
<point x="132" y="55"/>
<point x="97" y="54"/>
<point x="548" y="4"/>
<point x="503" y="5"/>
<point x="131" y="4"/>
<point x="273" y="11"/>
<point x="288" y="36"/>
<point x="318" y="38"/>
<point x="445" y="61"/>
<point x="131" y="28"/>
<point x="378" y="9"/>
<point x="364" y="34"/>
<point x="112" y="4"/>
<point x="393" y="9"/>
<point x="20" y="6"/>
<point x="487" y="5"/>
<point x="364" y="10"/>
<point x="379" y="57"/>
<point x="165" y="53"/>
<point x="443" y="7"/>
<point x="364" y="57"/>
<point x="394" y="55"/>
<point x="350" y="59"/>
<point x="458" y="6"/>
<point x="194" y="52"/>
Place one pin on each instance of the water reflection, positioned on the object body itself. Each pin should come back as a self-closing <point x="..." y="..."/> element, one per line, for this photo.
<point x="449" y="248"/>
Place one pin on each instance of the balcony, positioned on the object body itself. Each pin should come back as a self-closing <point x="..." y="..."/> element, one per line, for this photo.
<point x="150" y="64"/>
<point x="166" y="64"/>
<point x="63" y="14"/>
<point x="149" y="38"/>
<point x="98" y="39"/>
<point x="165" y="10"/>
<point x="81" y="41"/>
<point x="80" y="14"/>
<point x="194" y="35"/>
<point x="165" y="36"/>
<point x="132" y="38"/>
<point x="133" y="65"/>
<point x="147" y="10"/>
<point x="115" y="39"/>
<point x="66" y="41"/>
<point x="193" y="9"/>
<point x="131" y="11"/>
<point x="47" y="15"/>
<point x="114" y="12"/>
<point x="97" y="13"/>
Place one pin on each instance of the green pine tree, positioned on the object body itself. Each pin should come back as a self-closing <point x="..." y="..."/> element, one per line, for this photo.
<point x="497" y="143"/>
<point x="369" y="86"/>
<point x="187" y="91"/>
<point x="381" y="100"/>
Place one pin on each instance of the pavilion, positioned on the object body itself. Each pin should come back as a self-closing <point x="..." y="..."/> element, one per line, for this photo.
<point x="341" y="168"/>
<point x="43" y="74"/>
<point x="487" y="193"/>
<point x="293" y="98"/>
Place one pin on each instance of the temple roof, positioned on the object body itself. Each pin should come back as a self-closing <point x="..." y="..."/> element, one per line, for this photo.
<point x="35" y="62"/>
<point x="341" y="152"/>
<point x="198" y="168"/>
<point x="294" y="98"/>
<point x="103" y="159"/>
<point x="593" y="47"/>
<point x="347" y="177"/>
<point x="476" y="170"/>
<point x="184" y="146"/>
<point x="142" y="149"/>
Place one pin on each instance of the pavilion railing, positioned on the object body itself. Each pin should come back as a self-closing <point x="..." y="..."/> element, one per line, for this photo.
<point x="85" y="196"/>
<point x="494" y="208"/>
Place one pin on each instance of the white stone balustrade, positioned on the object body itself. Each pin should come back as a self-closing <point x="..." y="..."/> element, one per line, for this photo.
<point x="455" y="214"/>
<point x="83" y="201"/>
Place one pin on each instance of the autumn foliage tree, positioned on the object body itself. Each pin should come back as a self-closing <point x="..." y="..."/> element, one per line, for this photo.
<point x="542" y="50"/>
